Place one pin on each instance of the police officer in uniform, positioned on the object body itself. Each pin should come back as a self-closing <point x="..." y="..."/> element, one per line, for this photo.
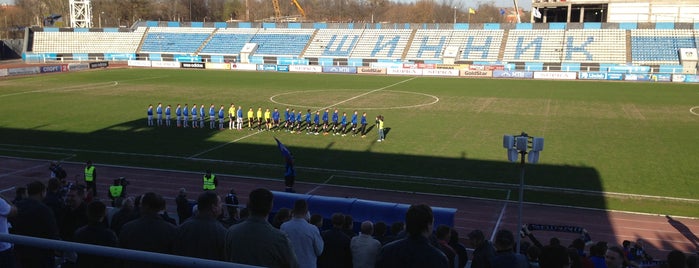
<point x="210" y="181"/>
<point x="91" y="177"/>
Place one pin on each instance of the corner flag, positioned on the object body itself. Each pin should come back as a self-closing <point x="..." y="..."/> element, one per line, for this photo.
<point x="471" y="11"/>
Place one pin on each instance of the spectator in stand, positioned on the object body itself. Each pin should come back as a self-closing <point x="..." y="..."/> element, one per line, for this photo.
<point x="364" y="247"/>
<point x="597" y="254"/>
<point x="20" y="193"/>
<point x="676" y="259"/>
<point x="304" y="237"/>
<point x="337" y="252"/>
<point x="317" y="221"/>
<point x="533" y="253"/>
<point x="283" y="215"/>
<point x="442" y="237"/>
<point x="553" y="255"/>
<point x="184" y="206"/>
<point x="614" y="257"/>
<point x="574" y="258"/>
<point x="638" y="252"/>
<point x="150" y="232"/>
<point x="397" y="232"/>
<point x="7" y="210"/>
<point x="381" y="232"/>
<point x="348" y="226"/>
<point x="74" y="213"/>
<point x="96" y="233"/>
<point x="55" y="199"/>
<point x="125" y="214"/>
<point x="693" y="261"/>
<point x="483" y="251"/>
<point x="34" y="219"/>
<point x="255" y="241"/>
<point x="202" y="236"/>
<point x="505" y="256"/>
<point x="415" y="250"/>
<point x="460" y="249"/>
<point x="579" y="246"/>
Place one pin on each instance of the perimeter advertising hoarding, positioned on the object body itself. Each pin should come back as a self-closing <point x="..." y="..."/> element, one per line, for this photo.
<point x="476" y="73"/>
<point x="369" y="70"/>
<point x="218" y="66"/>
<point x="267" y="67"/>
<point x="192" y="65"/>
<point x="78" y="66"/>
<point x="340" y="69"/>
<point x="616" y="76"/>
<point x="282" y="68"/>
<point x="637" y="77"/>
<point x="452" y="66"/>
<point x="404" y="71"/>
<point x="440" y="72"/>
<point x="661" y="77"/>
<point x="555" y="75"/>
<point x="305" y="68"/>
<point x="99" y="64"/>
<point x="51" y="69"/>
<point x="592" y="76"/>
<point x="686" y="78"/>
<point x="23" y="71"/>
<point x="244" y="66"/>
<point x="139" y="63"/>
<point x="165" y="64"/>
<point x="512" y="74"/>
<point x="486" y="67"/>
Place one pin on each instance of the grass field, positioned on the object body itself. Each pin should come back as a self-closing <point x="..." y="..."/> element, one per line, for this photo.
<point x="445" y="134"/>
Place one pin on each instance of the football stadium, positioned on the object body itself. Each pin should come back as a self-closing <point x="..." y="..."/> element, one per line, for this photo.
<point x="568" y="127"/>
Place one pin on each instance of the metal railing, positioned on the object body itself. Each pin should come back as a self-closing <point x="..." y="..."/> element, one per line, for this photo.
<point x="118" y="253"/>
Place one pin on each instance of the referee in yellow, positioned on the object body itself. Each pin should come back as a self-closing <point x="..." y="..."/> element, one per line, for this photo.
<point x="251" y="115"/>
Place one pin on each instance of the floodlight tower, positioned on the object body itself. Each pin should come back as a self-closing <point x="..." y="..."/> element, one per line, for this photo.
<point x="80" y="14"/>
<point x="521" y="145"/>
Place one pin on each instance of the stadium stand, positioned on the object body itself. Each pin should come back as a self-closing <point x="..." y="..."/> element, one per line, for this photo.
<point x="175" y="39"/>
<point x="228" y="41"/>
<point x="660" y="46"/>
<point x="524" y="46"/>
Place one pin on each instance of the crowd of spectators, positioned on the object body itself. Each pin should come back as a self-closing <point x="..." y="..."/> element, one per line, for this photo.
<point x="219" y="228"/>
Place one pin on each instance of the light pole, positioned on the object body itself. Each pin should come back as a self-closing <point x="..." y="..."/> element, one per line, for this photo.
<point x="520" y="145"/>
<point x="455" y="15"/>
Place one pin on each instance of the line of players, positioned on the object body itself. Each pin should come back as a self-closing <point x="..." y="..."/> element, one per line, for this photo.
<point x="268" y="120"/>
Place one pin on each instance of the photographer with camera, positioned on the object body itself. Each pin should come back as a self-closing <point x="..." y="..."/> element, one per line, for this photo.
<point x="117" y="191"/>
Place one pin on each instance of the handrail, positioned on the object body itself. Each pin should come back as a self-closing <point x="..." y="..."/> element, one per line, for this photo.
<point x="117" y="253"/>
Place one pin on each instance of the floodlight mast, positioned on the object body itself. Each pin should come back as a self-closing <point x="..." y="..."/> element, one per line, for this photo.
<point x="80" y="14"/>
<point x="520" y="144"/>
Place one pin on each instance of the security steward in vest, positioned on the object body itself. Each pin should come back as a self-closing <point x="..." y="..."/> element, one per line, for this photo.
<point x="116" y="191"/>
<point x="210" y="181"/>
<point x="91" y="177"/>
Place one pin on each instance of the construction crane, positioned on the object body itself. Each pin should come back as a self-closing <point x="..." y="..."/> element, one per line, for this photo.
<point x="278" y="12"/>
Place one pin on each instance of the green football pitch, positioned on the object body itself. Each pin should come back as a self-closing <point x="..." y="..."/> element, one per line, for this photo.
<point x="609" y="145"/>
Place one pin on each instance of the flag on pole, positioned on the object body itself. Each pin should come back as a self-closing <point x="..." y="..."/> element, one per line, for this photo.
<point x="471" y="11"/>
<point x="502" y="11"/>
<point x="285" y="152"/>
<point x="537" y="14"/>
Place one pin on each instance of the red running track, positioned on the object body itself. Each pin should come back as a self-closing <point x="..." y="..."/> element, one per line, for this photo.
<point x="660" y="234"/>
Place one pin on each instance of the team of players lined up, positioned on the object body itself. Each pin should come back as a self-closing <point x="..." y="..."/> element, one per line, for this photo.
<point x="294" y="122"/>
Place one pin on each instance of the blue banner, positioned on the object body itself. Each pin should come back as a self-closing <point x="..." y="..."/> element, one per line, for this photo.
<point x="592" y="76"/>
<point x="512" y="74"/>
<point x="615" y="76"/>
<point x="662" y="77"/>
<point x="267" y="67"/>
<point x="340" y="69"/>
<point x="282" y="68"/>
<point x="629" y="69"/>
<point x="637" y="77"/>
